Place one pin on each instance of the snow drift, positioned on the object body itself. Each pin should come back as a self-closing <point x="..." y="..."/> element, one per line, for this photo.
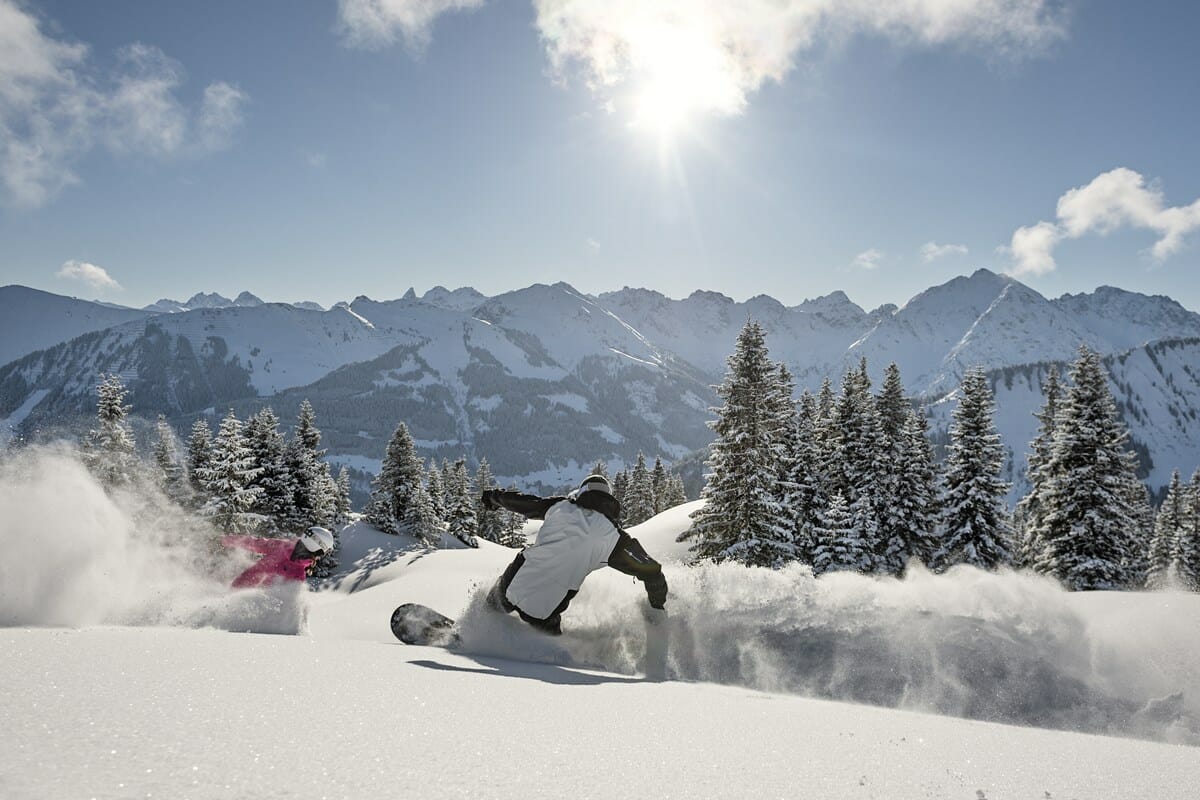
<point x="77" y="555"/>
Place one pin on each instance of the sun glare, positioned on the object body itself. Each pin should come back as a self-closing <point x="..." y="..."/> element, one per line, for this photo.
<point x="683" y="74"/>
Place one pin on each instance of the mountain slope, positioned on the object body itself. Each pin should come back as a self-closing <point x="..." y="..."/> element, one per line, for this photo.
<point x="32" y="320"/>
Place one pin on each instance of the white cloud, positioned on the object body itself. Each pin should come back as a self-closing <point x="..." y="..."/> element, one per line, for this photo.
<point x="931" y="251"/>
<point x="94" y="276"/>
<point x="868" y="259"/>
<point x="55" y="107"/>
<point x="1113" y="200"/>
<point x="718" y="52"/>
<point x="373" y="24"/>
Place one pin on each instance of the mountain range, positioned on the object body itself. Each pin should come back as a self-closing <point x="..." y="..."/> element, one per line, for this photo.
<point x="544" y="380"/>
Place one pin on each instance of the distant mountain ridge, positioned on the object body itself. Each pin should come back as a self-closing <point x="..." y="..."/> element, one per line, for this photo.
<point x="545" y="379"/>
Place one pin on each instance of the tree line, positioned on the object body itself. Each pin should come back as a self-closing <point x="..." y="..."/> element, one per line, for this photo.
<point x="408" y="497"/>
<point x="849" y="482"/>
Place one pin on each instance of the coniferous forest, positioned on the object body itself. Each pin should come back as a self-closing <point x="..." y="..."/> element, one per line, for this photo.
<point x="845" y="479"/>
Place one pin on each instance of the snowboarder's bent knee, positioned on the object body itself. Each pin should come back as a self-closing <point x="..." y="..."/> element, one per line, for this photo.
<point x="580" y="533"/>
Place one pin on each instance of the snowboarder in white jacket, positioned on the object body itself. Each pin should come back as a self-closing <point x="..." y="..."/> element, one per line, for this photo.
<point x="580" y="533"/>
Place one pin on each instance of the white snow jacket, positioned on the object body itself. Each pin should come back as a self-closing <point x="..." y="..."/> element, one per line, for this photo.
<point x="573" y="542"/>
<point x="578" y="535"/>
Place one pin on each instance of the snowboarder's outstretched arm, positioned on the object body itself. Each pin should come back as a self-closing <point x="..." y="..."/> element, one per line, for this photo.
<point x="527" y="505"/>
<point x="631" y="558"/>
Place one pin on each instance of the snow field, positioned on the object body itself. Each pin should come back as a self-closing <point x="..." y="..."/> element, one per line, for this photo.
<point x="146" y="692"/>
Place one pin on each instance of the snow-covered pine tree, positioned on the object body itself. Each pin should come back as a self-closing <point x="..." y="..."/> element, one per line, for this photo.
<point x="737" y="523"/>
<point x="274" y="479"/>
<point x="858" y="467"/>
<point x="825" y="434"/>
<point x="228" y="481"/>
<point x="199" y="454"/>
<point x="170" y="472"/>
<point x="314" y="495"/>
<point x="600" y="468"/>
<point x="674" y="494"/>
<point x="396" y="483"/>
<point x="1030" y="509"/>
<point x="437" y="490"/>
<point x="461" y="501"/>
<point x="1086" y="525"/>
<point x="420" y="521"/>
<point x="109" y="449"/>
<point x="974" y="519"/>
<point x="837" y="546"/>
<point x="914" y="531"/>
<point x="806" y="498"/>
<point x="343" y="502"/>
<point x="638" y="505"/>
<point x="789" y="460"/>
<point x="895" y="535"/>
<point x="620" y="483"/>
<point x="658" y="484"/>
<point x="491" y="524"/>
<point x="1161" y="561"/>
<point x="1187" y="548"/>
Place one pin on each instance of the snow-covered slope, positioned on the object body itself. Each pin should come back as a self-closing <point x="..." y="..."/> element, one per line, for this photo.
<point x="32" y="320"/>
<point x="163" y="684"/>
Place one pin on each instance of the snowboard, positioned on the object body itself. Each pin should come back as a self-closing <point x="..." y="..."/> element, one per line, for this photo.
<point x="413" y="623"/>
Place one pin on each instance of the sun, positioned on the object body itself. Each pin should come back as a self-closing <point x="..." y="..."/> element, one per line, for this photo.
<point x="681" y="76"/>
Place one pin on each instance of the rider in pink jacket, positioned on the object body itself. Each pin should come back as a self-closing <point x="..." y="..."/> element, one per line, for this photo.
<point x="282" y="559"/>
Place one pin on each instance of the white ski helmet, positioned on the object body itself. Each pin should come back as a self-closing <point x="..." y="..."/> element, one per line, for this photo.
<point x="317" y="540"/>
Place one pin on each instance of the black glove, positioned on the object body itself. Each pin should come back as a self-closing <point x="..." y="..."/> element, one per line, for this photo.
<point x="656" y="590"/>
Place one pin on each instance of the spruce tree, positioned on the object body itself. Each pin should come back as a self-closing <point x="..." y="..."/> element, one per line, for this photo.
<point x="600" y="468"/>
<point x="228" y="481"/>
<point x="638" y="505"/>
<point x="895" y="512"/>
<point x="739" y="520"/>
<point x="513" y="527"/>
<point x="396" y="484"/>
<point x="461" y="501"/>
<point x="1030" y="510"/>
<point x="805" y="498"/>
<point x="170" y="472"/>
<point x="1187" y="548"/>
<point x="858" y="470"/>
<point x="915" y="522"/>
<point x="437" y="491"/>
<point x="274" y="479"/>
<point x="343" y="503"/>
<point x="491" y="523"/>
<point x="199" y="455"/>
<point x="836" y="543"/>
<point x="1162" y="561"/>
<point x="674" y="494"/>
<point x="1085" y="529"/>
<point x="620" y="483"/>
<point x="975" y="520"/>
<point x="658" y="484"/>
<point x="314" y="495"/>
<point x="109" y="449"/>
<point x="419" y="520"/>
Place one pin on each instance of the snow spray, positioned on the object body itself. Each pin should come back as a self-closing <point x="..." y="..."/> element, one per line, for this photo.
<point x="73" y="554"/>
<point x="1007" y="647"/>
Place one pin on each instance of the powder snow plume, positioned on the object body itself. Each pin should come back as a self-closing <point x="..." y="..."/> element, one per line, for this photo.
<point x="1005" y="647"/>
<point x="74" y="555"/>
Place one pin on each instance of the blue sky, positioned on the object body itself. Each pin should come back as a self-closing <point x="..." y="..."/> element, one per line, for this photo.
<point x="323" y="150"/>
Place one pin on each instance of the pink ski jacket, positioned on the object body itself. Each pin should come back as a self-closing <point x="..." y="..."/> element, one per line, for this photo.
<point x="276" y="563"/>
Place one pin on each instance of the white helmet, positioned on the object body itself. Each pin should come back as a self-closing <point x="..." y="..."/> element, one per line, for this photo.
<point x="317" y="540"/>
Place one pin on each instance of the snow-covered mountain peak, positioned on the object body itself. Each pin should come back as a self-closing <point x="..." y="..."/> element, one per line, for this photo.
<point x="247" y="300"/>
<point x="308" y="305"/>
<point x="464" y="298"/>
<point x="411" y="294"/>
